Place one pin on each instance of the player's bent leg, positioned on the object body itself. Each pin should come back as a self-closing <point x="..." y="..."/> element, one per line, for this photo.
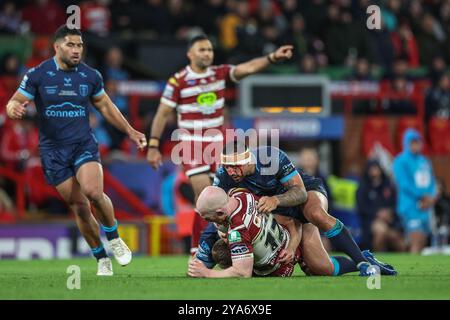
<point x="90" y="178"/>
<point x="70" y="191"/>
<point x="316" y="259"/>
<point x="314" y="254"/>
<point x="315" y="210"/>
<point x="198" y="182"/>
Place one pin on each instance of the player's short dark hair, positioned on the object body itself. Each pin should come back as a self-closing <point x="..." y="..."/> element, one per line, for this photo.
<point x="65" y="31"/>
<point x="221" y="254"/>
<point x="195" y="39"/>
<point x="236" y="146"/>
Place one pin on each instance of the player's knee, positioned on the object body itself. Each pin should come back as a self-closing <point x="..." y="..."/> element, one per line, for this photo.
<point x="79" y="207"/>
<point x="94" y="195"/>
<point x="319" y="217"/>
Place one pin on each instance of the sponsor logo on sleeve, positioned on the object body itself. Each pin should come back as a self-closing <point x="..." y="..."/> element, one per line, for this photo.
<point x="234" y="237"/>
<point x="239" y="250"/>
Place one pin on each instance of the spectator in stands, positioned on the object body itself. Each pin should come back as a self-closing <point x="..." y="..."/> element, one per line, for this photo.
<point x="390" y="13"/>
<point x="361" y="71"/>
<point x="437" y="99"/>
<point x="401" y="86"/>
<point x="95" y="17"/>
<point x="209" y="14"/>
<point x="10" y="68"/>
<point x="444" y="14"/>
<point x="270" y="27"/>
<point x="18" y="143"/>
<point x="10" y="19"/>
<point x="346" y="40"/>
<point x="442" y="212"/>
<point x="437" y="69"/>
<point x="123" y="16"/>
<point x="428" y="40"/>
<point x="416" y="190"/>
<point x="10" y="65"/>
<point x="181" y="18"/>
<point x="400" y="69"/>
<point x="375" y="198"/>
<point x="381" y="47"/>
<point x="308" y="65"/>
<point x="415" y="13"/>
<point x="44" y="16"/>
<point x="42" y="50"/>
<point x="113" y="70"/>
<point x="405" y="45"/>
<point x="237" y="16"/>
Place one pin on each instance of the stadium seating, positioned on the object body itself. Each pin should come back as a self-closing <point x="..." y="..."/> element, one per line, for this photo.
<point x="376" y="129"/>
<point x="439" y="133"/>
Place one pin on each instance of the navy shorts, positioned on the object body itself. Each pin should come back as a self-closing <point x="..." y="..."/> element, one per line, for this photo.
<point x="62" y="162"/>
<point x="311" y="184"/>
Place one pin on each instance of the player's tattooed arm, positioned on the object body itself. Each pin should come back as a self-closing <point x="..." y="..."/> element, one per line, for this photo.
<point x="295" y="195"/>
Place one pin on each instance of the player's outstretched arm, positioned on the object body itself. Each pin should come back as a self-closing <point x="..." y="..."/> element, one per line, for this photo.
<point x="242" y="268"/>
<point x="159" y="123"/>
<point x="258" y="64"/>
<point x="15" y="108"/>
<point x="112" y="114"/>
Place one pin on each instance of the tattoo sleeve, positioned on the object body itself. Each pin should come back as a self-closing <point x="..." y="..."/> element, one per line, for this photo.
<point x="295" y="195"/>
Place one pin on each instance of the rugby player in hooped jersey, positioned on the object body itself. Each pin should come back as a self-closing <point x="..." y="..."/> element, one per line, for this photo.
<point x="197" y="94"/>
<point x="257" y="242"/>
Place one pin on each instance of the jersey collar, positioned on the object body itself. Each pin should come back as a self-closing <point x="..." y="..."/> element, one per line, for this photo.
<point x="58" y="67"/>
<point x="193" y="75"/>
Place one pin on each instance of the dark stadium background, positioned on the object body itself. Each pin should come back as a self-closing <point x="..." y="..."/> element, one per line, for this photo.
<point x="378" y="82"/>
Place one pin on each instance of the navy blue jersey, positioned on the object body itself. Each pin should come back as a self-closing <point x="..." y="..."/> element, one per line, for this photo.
<point x="62" y="100"/>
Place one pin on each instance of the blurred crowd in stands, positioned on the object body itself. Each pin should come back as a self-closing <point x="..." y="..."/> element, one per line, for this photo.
<point x="412" y="47"/>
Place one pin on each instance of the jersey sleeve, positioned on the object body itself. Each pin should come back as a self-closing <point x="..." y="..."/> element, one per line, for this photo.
<point x="286" y="169"/>
<point x="98" y="85"/>
<point x="240" y="244"/>
<point x="171" y="93"/>
<point x="228" y="70"/>
<point x="29" y="85"/>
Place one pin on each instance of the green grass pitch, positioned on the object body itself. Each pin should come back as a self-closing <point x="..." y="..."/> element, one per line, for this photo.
<point x="420" y="277"/>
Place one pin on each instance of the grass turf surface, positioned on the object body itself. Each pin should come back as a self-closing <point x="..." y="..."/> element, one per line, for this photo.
<point x="420" y="277"/>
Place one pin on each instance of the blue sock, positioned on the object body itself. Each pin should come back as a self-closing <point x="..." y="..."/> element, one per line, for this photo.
<point x="99" y="252"/>
<point x="111" y="232"/>
<point x="343" y="265"/>
<point x="342" y="240"/>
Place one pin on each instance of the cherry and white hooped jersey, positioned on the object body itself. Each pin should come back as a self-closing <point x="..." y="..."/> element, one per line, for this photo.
<point x="256" y="235"/>
<point x="199" y="99"/>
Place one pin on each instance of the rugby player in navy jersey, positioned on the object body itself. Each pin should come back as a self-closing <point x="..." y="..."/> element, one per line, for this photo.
<point x="295" y="196"/>
<point x="62" y="88"/>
